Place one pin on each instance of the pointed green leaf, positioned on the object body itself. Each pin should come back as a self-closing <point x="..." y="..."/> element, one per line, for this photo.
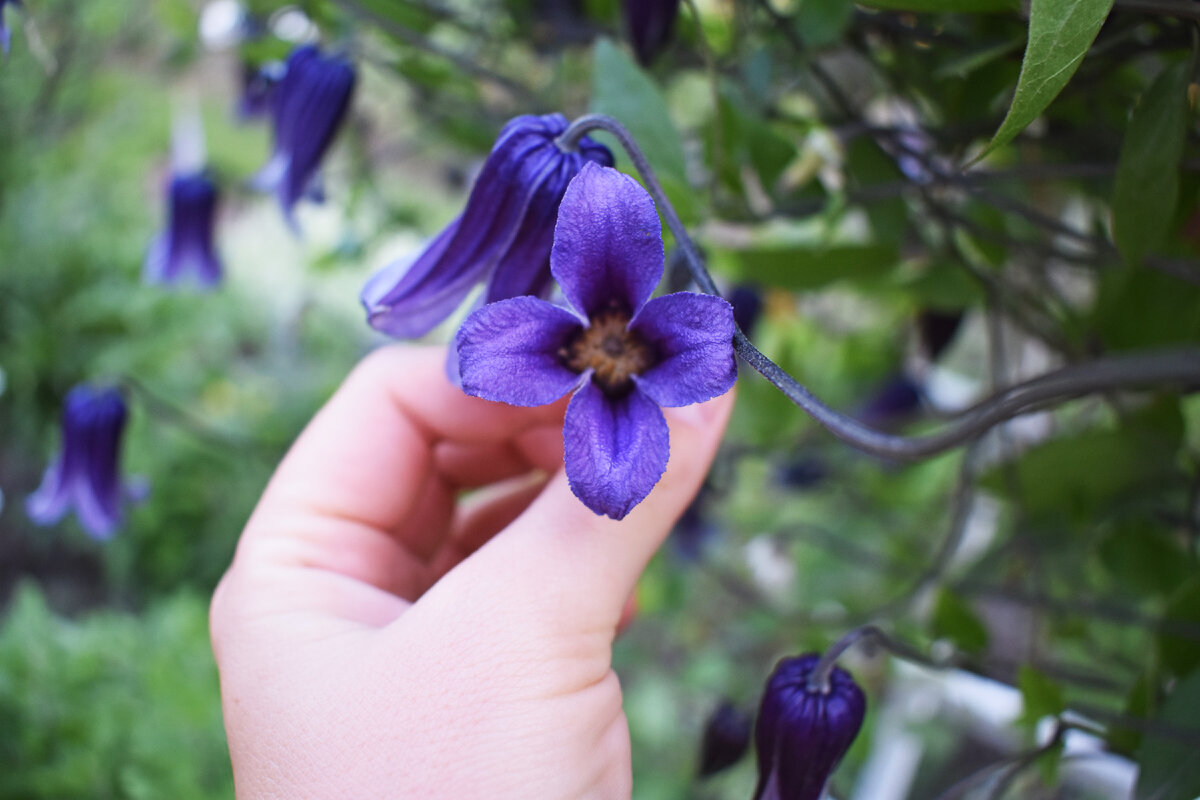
<point x="1147" y="187"/>
<point x="1060" y="33"/>
<point x="1169" y="767"/>
<point x="623" y="91"/>
<point x="1040" y="696"/>
<point x="957" y="621"/>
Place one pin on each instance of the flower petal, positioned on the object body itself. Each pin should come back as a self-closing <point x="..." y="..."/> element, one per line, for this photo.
<point x="51" y="499"/>
<point x="608" y="248"/>
<point x="693" y="336"/>
<point x="615" y="450"/>
<point x="508" y="351"/>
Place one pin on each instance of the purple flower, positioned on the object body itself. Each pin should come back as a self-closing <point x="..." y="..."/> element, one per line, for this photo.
<point x="893" y="404"/>
<point x="503" y="236"/>
<point x="650" y="23"/>
<point x="621" y="353"/>
<point x="5" y="33"/>
<point x="310" y="103"/>
<point x="259" y="85"/>
<point x="726" y="739"/>
<point x="185" y="248"/>
<point x="802" y="733"/>
<point x="86" y="474"/>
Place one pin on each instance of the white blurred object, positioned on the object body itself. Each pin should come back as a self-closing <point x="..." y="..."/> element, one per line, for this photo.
<point x="771" y="566"/>
<point x="293" y="25"/>
<point x="222" y="24"/>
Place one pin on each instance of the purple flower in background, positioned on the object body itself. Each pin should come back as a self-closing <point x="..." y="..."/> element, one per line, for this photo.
<point x="5" y="33"/>
<point x="726" y="739"/>
<point x="650" y="23"/>
<point x="937" y="330"/>
<point x="503" y="236"/>
<point x="310" y="103"/>
<point x="893" y="404"/>
<point x="803" y="732"/>
<point x="621" y="353"/>
<point x="185" y="249"/>
<point x="86" y="474"/>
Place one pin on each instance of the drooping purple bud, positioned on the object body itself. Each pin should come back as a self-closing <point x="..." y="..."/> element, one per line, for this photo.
<point x="5" y="33"/>
<point x="805" y="471"/>
<point x="503" y="236"/>
<point x="692" y="532"/>
<point x="185" y="251"/>
<point x="310" y="103"/>
<point x="803" y="732"/>
<point x="650" y="24"/>
<point x="895" y="402"/>
<point x="747" y="305"/>
<point x="86" y="475"/>
<point x="726" y="739"/>
<point x="937" y="329"/>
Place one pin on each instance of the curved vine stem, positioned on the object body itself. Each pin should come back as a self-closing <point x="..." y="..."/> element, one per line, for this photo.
<point x="1178" y="368"/>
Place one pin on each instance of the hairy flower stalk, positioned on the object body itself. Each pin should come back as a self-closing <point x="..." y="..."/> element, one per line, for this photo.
<point x="804" y="728"/>
<point x="86" y="475"/>
<point x="621" y="354"/>
<point x="308" y="108"/>
<point x="502" y="238"/>
<point x="185" y="251"/>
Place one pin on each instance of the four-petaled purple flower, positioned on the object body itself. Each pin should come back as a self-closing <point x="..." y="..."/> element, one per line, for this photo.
<point x="185" y="249"/>
<point x="503" y="236"/>
<point x="5" y="33"/>
<point x="621" y="353"/>
<point x="650" y="23"/>
<point x="309" y="105"/>
<point x="802" y="732"/>
<point x="86" y="474"/>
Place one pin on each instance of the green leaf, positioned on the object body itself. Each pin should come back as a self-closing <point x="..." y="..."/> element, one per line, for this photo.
<point x="623" y="91"/>
<point x="1177" y="644"/>
<point x="1169" y="767"/>
<point x="1147" y="186"/>
<point x="1144" y="559"/>
<point x="1060" y="33"/>
<point x="822" y="22"/>
<point x="953" y="619"/>
<point x="960" y="6"/>
<point x="1040" y="696"/>
<point x="808" y="266"/>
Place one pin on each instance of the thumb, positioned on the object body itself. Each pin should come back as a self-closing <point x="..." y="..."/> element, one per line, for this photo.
<point x="580" y="567"/>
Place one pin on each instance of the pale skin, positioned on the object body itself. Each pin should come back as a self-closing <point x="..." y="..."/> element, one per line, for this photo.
<point x="420" y="608"/>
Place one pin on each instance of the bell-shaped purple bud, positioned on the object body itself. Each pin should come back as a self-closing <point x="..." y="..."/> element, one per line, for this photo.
<point x="185" y="251"/>
<point x="5" y="33"/>
<point x="802" y="732"/>
<point x="805" y="471"/>
<point x="310" y="103"/>
<point x="726" y="739"/>
<point x="86" y="475"/>
<point x="650" y="24"/>
<point x="747" y="305"/>
<point x="503" y="236"/>
<point x="893" y="404"/>
<point x="937" y="330"/>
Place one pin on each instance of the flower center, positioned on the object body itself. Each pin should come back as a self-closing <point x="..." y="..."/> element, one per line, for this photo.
<point x="613" y="353"/>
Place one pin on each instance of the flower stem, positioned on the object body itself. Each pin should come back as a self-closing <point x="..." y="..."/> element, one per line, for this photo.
<point x="818" y="679"/>
<point x="1179" y="368"/>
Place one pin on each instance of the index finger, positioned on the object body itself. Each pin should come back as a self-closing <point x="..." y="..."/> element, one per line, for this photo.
<point x="367" y="454"/>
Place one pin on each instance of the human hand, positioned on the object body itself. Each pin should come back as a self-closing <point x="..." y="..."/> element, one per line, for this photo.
<point x="376" y="638"/>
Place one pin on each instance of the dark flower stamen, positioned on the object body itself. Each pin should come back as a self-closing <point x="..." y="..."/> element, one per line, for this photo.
<point x="613" y="352"/>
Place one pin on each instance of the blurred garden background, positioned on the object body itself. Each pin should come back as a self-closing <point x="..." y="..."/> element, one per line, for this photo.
<point x="840" y="167"/>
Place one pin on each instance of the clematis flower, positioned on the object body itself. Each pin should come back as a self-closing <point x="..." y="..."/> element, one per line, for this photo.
<point x="650" y="23"/>
<point x="622" y="354"/>
<point x="503" y="236"/>
<point x="726" y="739"/>
<point x="310" y="103"/>
<point x="259" y="85"/>
<point x="802" y="732"/>
<point x="5" y="33"/>
<point x="86" y="474"/>
<point x="185" y="249"/>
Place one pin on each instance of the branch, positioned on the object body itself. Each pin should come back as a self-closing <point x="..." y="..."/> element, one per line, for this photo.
<point x="1178" y="368"/>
